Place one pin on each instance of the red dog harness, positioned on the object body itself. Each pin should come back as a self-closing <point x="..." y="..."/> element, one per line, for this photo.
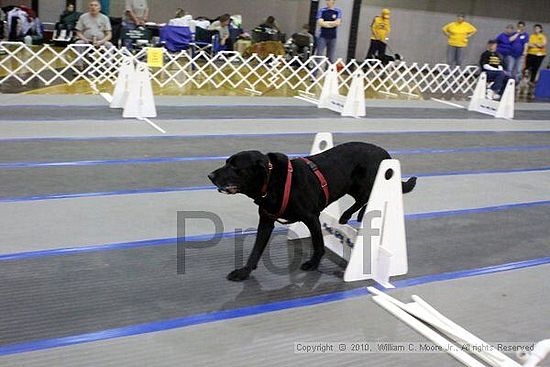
<point x="288" y="185"/>
<point x="320" y="177"/>
<point x="286" y="194"/>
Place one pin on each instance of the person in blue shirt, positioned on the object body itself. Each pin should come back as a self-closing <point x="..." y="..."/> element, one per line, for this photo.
<point x="512" y="46"/>
<point x="504" y="45"/>
<point x="328" y="19"/>
<point x="519" y="49"/>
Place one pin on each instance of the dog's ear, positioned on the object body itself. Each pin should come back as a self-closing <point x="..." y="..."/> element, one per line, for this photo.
<point x="277" y="158"/>
<point x="262" y="160"/>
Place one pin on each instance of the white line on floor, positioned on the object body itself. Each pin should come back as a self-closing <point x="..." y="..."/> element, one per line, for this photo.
<point x="152" y="124"/>
<point x="447" y="103"/>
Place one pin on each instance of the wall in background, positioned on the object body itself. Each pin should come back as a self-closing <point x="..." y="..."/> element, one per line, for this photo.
<point x="50" y="10"/>
<point x="416" y="25"/>
<point x="290" y="14"/>
<point x="15" y="2"/>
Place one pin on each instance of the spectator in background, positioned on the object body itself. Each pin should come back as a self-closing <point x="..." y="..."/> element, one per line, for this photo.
<point x="380" y="28"/>
<point x="329" y="19"/>
<point x="270" y="24"/>
<point x="24" y="25"/>
<point x="136" y="13"/>
<point x="504" y="45"/>
<point x="67" y="21"/>
<point x="458" y="33"/>
<point x="34" y="32"/>
<point x="300" y="43"/>
<point x="69" y="17"/>
<point x="536" y="51"/>
<point x="202" y="22"/>
<point x="491" y="63"/>
<point x="181" y="19"/>
<point x="519" y="40"/>
<point x="93" y="27"/>
<point x="17" y="22"/>
<point x="222" y="26"/>
<point x="303" y="32"/>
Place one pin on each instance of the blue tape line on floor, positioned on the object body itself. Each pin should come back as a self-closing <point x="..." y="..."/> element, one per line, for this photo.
<point x="206" y="237"/>
<point x="253" y="310"/>
<point x="12" y="165"/>
<point x="205" y="188"/>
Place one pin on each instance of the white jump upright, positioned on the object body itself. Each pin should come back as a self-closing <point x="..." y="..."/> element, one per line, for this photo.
<point x="122" y="86"/>
<point x="134" y="92"/>
<point x="451" y="337"/>
<point x="352" y="105"/>
<point x="499" y="109"/>
<point x="140" y="103"/>
<point x="377" y="250"/>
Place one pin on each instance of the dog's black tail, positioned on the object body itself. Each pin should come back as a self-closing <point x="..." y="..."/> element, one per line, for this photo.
<point x="406" y="187"/>
<point x="409" y="185"/>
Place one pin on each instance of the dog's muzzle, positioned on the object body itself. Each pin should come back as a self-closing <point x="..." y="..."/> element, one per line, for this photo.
<point x="229" y="189"/>
<point x="225" y="189"/>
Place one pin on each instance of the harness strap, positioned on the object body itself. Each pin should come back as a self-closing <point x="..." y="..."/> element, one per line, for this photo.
<point x="264" y="187"/>
<point x="286" y="195"/>
<point x="320" y="177"/>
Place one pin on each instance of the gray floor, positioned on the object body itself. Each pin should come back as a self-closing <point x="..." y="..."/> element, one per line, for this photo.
<point x="71" y="294"/>
<point x="66" y="179"/>
<point x="179" y="101"/>
<point x="132" y="128"/>
<point x="135" y="148"/>
<point x="54" y="113"/>
<point x="497" y="308"/>
<point x="73" y="222"/>
<point x="74" y="294"/>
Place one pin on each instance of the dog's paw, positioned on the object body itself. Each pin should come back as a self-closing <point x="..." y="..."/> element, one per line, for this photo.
<point x="238" y="275"/>
<point x="344" y="219"/>
<point x="310" y="265"/>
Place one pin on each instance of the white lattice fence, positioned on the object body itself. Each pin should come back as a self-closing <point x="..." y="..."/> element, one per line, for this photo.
<point x="24" y="64"/>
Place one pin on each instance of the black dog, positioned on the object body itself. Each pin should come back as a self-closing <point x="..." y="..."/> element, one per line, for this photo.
<point x="348" y="169"/>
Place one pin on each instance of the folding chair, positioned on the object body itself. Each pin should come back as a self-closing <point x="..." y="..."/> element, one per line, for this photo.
<point x="206" y="40"/>
<point x="176" y="38"/>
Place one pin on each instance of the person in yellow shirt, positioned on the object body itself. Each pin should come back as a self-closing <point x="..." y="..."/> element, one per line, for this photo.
<point x="380" y="28"/>
<point x="536" y="51"/>
<point x="458" y="33"/>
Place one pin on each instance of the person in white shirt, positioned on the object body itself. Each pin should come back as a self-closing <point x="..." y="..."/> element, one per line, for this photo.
<point x="222" y="26"/>
<point x="182" y="20"/>
<point x="136" y="13"/>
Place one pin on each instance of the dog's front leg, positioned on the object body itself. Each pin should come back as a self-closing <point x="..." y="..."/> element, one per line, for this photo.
<point x="314" y="227"/>
<point x="265" y="228"/>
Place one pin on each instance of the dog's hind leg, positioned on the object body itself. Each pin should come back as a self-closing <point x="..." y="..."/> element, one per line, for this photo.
<point x="314" y="227"/>
<point x="361" y="213"/>
<point x="345" y="217"/>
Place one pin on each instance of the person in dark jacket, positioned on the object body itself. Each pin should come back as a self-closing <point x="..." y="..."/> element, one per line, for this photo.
<point x="491" y="63"/>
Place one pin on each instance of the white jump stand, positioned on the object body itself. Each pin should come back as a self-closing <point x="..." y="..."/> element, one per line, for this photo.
<point x="352" y="105"/>
<point x="499" y="109"/>
<point x="376" y="250"/>
<point x="451" y="337"/>
<point x="122" y="86"/>
<point x="140" y="102"/>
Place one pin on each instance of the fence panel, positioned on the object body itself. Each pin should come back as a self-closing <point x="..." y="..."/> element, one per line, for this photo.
<point x="23" y="64"/>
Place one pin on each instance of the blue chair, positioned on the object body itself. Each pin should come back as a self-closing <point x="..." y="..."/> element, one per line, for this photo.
<point x="207" y="41"/>
<point x="543" y="85"/>
<point x="175" y="38"/>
